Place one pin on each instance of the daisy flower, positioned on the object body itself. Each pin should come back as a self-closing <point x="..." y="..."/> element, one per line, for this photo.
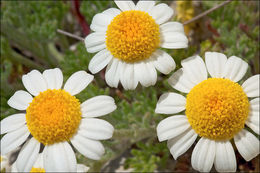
<point x="128" y="40"/>
<point x="217" y="109"/>
<point x="38" y="166"/>
<point x="4" y="162"/>
<point x="54" y="118"/>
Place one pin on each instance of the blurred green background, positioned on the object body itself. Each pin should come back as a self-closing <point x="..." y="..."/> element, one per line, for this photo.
<point x="29" y="40"/>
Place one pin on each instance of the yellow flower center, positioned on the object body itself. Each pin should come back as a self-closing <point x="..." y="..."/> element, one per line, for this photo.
<point x="217" y="108"/>
<point x="1" y="158"/>
<point x="53" y="116"/>
<point x="37" y="170"/>
<point x="132" y="36"/>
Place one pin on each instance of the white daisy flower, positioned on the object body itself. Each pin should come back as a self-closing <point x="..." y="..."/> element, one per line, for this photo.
<point x="55" y="117"/>
<point x="38" y="166"/>
<point x="128" y="42"/>
<point x="4" y="162"/>
<point x="216" y="109"/>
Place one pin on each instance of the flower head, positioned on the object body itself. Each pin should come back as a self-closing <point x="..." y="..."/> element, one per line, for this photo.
<point x="38" y="166"/>
<point x="54" y="117"/>
<point x="217" y="109"/>
<point x="128" y="42"/>
<point x="3" y="162"/>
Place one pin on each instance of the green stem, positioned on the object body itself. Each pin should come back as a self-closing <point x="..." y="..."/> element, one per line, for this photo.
<point x="25" y="61"/>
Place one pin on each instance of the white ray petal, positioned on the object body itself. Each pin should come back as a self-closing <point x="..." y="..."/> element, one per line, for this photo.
<point x="161" y="13"/>
<point x="225" y="160"/>
<point x="235" y="68"/>
<point x="180" y="81"/>
<point x="145" y="5"/>
<point x="53" y="78"/>
<point x="98" y="106"/>
<point x="34" y="82"/>
<point x="77" y="82"/>
<point x="247" y="144"/>
<point x="28" y="155"/>
<point x="173" y="40"/>
<point x="171" y="127"/>
<point x="112" y="12"/>
<point x="99" y="61"/>
<point x="101" y="21"/>
<point x="180" y="144"/>
<point x="20" y="100"/>
<point x="89" y="148"/>
<point x="14" y="139"/>
<point x="59" y="157"/>
<point x="195" y="69"/>
<point x="113" y="73"/>
<point x="253" y="118"/>
<point x="215" y="63"/>
<point x="203" y="155"/>
<point x="172" y="27"/>
<point x="95" y="42"/>
<point x="251" y="86"/>
<point x="125" y="5"/>
<point x="12" y="122"/>
<point x="163" y="62"/>
<point x="170" y="103"/>
<point x="95" y="129"/>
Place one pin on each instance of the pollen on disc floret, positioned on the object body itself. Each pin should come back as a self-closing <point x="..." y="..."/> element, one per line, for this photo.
<point x="132" y="36"/>
<point x="217" y="108"/>
<point x="53" y="116"/>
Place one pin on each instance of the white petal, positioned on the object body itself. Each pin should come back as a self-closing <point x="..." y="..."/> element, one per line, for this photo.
<point x="99" y="61"/>
<point x="34" y="82"/>
<point x="39" y="161"/>
<point x="98" y="106"/>
<point x="253" y="118"/>
<point x="113" y="12"/>
<point x="89" y="148"/>
<point x="195" y="69"/>
<point x="95" y="42"/>
<point x="77" y="82"/>
<point x="146" y="73"/>
<point x="12" y="122"/>
<point x="96" y="129"/>
<point x="13" y="169"/>
<point x="180" y="81"/>
<point x="172" y="27"/>
<point x="181" y="143"/>
<point x="28" y="155"/>
<point x="12" y="140"/>
<point x="100" y="22"/>
<point x="173" y="40"/>
<point x="144" y="5"/>
<point x="247" y="144"/>
<point x="171" y="127"/>
<point x="215" y="63"/>
<point x="170" y="103"/>
<point x="59" y="157"/>
<point x="113" y="73"/>
<point x="53" y="78"/>
<point x="203" y="155"/>
<point x="163" y="62"/>
<point x="20" y="100"/>
<point x="127" y="77"/>
<point x="161" y="13"/>
<point x="225" y="160"/>
<point x="125" y="5"/>
<point x="82" y="168"/>
<point x="251" y="86"/>
<point x="235" y="68"/>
